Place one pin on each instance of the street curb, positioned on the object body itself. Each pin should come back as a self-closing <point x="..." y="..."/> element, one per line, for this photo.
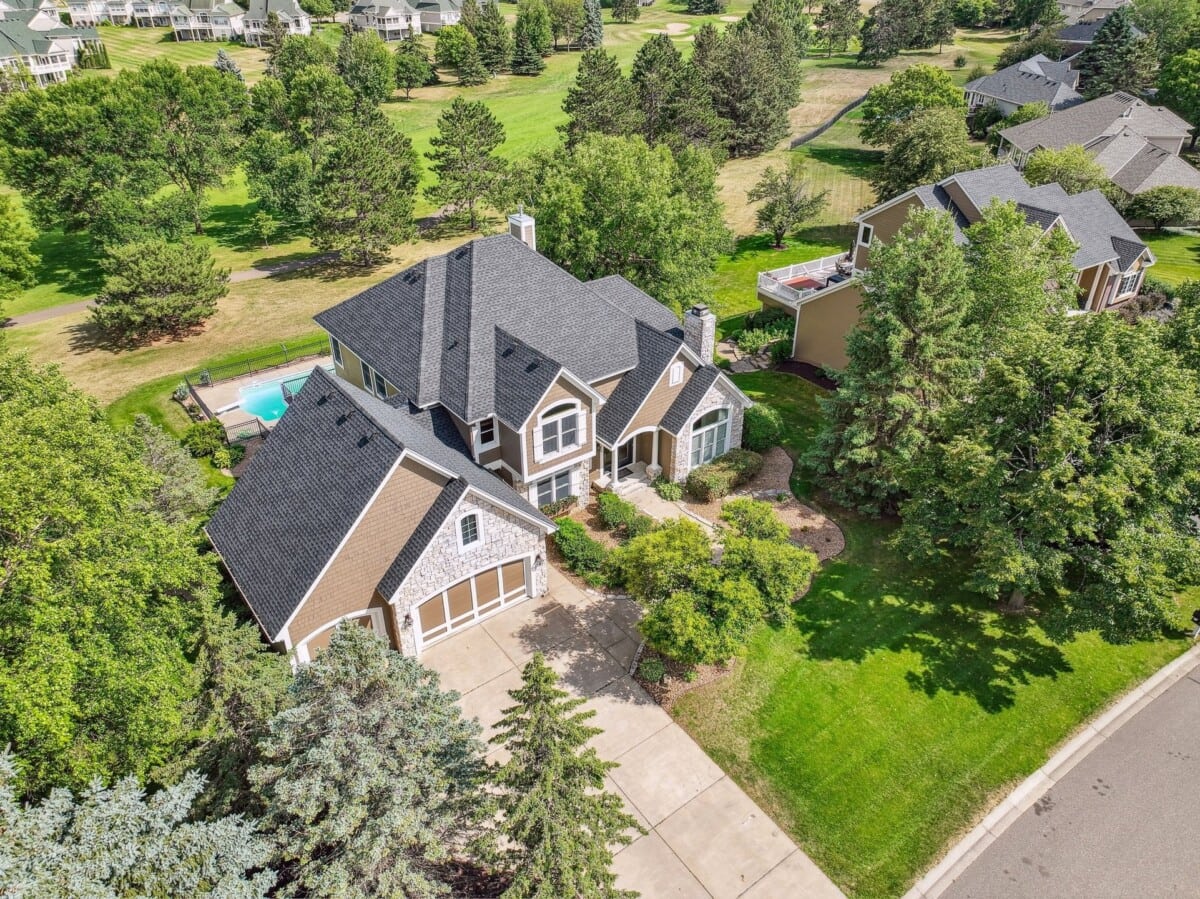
<point x="1091" y="735"/>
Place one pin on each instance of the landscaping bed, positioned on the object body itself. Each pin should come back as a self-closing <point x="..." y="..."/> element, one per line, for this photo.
<point x="679" y="679"/>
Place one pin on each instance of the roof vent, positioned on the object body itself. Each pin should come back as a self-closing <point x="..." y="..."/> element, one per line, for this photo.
<point x="506" y="352"/>
<point x="346" y="416"/>
<point x="532" y="366"/>
<point x="367" y="438"/>
<point x="452" y="345"/>
<point x="325" y="397"/>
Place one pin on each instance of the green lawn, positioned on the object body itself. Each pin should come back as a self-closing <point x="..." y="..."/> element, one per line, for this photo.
<point x="895" y="707"/>
<point x="1178" y="254"/>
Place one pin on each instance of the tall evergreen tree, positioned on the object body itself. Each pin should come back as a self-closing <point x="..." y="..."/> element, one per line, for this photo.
<point x="363" y="192"/>
<point x="533" y="21"/>
<point x="412" y="66"/>
<point x="750" y="90"/>
<point x="1118" y="59"/>
<point x="838" y="24"/>
<point x="626" y="11"/>
<point x="272" y="40"/>
<point x="469" y="15"/>
<point x="373" y="779"/>
<point x="592" y="35"/>
<point x="493" y="37"/>
<point x="600" y="101"/>
<point x="655" y="78"/>
<point x="558" y="818"/>
<point x="525" y="59"/>
<point x="905" y="356"/>
<point x="464" y="158"/>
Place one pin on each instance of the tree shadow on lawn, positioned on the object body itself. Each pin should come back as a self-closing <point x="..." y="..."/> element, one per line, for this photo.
<point x="68" y="260"/>
<point x="858" y="162"/>
<point x="230" y="225"/>
<point x="964" y="648"/>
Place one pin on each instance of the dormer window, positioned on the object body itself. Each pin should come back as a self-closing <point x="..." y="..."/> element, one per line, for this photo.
<point x="560" y="429"/>
<point x="487" y="434"/>
<point x="675" y="378"/>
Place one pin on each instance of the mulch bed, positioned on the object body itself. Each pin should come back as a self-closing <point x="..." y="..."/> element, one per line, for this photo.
<point x="676" y="682"/>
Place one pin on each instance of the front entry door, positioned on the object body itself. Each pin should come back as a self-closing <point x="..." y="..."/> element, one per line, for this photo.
<point x="624" y="456"/>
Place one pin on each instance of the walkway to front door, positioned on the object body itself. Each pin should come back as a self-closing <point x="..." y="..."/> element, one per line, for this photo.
<point x="705" y="838"/>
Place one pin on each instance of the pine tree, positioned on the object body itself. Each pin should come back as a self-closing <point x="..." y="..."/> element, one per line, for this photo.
<point x="592" y="35"/>
<point x="557" y="815"/>
<point x="469" y="15"/>
<point x="412" y="66"/>
<point x="272" y="40"/>
<point x="525" y="59"/>
<point x="1118" y="59"/>
<point x="533" y="20"/>
<point x="226" y="64"/>
<point x="601" y="99"/>
<point x="626" y="11"/>
<point x="464" y="158"/>
<point x="493" y="37"/>
<point x="471" y="70"/>
<point x="905" y="356"/>
<point x="373" y="779"/>
<point x="838" y="23"/>
<point x="655" y="75"/>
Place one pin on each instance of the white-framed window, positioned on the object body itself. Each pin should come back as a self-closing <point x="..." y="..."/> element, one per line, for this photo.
<point x="561" y="428"/>
<point x="710" y="436"/>
<point x="335" y="347"/>
<point x="470" y="532"/>
<point x="488" y="433"/>
<point x="1128" y="283"/>
<point x="676" y="374"/>
<point x="552" y="489"/>
<point x="373" y="381"/>
<point x="865" y="233"/>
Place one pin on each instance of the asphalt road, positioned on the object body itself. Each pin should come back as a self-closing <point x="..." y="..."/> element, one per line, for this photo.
<point x="1123" y="823"/>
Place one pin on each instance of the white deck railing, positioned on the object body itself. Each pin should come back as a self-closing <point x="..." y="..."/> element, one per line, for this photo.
<point x="771" y="283"/>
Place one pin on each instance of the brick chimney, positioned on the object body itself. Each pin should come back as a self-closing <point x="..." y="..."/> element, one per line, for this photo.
<point x="700" y="332"/>
<point x="521" y="226"/>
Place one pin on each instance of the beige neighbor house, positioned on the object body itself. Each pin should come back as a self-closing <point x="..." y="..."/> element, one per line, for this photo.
<point x="402" y="492"/>
<point x="1035" y="80"/>
<point x="207" y="20"/>
<point x="1077" y="11"/>
<point x="1138" y="145"/>
<point x="824" y="295"/>
<point x="34" y="39"/>
<point x="291" y="16"/>
<point x="392" y="20"/>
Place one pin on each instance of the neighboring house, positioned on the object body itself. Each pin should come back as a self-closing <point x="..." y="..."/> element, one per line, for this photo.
<point x="1079" y="36"/>
<point x="1037" y="79"/>
<point x="152" y="13"/>
<point x="402" y="492"/>
<point x="33" y="37"/>
<point x="207" y="20"/>
<point x="1137" y="144"/>
<point x="392" y="20"/>
<point x="437" y="14"/>
<point x="1110" y="262"/>
<point x="1076" y="11"/>
<point x="95" y="12"/>
<point x="295" y="19"/>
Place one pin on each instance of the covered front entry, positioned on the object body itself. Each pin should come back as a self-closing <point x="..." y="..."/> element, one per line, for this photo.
<point x="470" y="600"/>
<point x="632" y="457"/>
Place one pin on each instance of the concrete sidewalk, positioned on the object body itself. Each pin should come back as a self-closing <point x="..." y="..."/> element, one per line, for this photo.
<point x="705" y="839"/>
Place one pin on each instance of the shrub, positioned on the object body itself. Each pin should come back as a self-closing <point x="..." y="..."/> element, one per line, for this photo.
<point x="221" y="458"/>
<point x="781" y="351"/>
<point x="237" y="453"/>
<point x="662" y="562"/>
<point x="960" y="61"/>
<point x="558" y="507"/>
<point x="754" y="518"/>
<point x="762" y="428"/>
<point x="203" y="438"/>
<point x="755" y="340"/>
<point x="652" y="670"/>
<point x="614" y="511"/>
<point x="765" y="318"/>
<point x="778" y="569"/>
<point x="639" y="527"/>
<point x="723" y="474"/>
<point x="180" y="393"/>
<point x="583" y="555"/>
<point x="668" y="490"/>
<point x="706" y="625"/>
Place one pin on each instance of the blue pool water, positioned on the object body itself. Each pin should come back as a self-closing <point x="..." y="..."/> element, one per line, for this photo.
<point x="266" y="399"/>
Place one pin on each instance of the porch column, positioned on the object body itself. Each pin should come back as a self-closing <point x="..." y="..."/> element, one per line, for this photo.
<point x="654" y="447"/>
<point x="615" y="453"/>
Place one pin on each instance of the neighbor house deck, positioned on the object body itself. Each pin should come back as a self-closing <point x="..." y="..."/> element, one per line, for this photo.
<point x="793" y="283"/>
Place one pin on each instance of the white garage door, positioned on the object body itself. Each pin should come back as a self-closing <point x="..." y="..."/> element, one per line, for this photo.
<point x="464" y="603"/>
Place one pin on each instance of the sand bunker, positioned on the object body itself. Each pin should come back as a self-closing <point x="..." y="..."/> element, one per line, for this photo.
<point x="671" y="28"/>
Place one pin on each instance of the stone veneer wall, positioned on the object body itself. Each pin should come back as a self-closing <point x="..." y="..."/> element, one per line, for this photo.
<point x="504" y="536"/>
<point x="718" y="395"/>
<point x="582" y="486"/>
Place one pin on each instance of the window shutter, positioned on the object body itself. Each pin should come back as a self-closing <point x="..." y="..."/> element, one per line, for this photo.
<point x="537" y="443"/>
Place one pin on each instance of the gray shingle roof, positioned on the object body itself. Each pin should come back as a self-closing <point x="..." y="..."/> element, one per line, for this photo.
<point x="1043" y="218"/>
<point x="523" y="375"/>
<point x="1086" y="122"/>
<point x="431" y="329"/>
<point x="637" y="303"/>
<point x="1031" y="81"/>
<point x="312" y="478"/>
<point x="689" y="398"/>
<point x="1085" y="32"/>
<point x="421" y="537"/>
<point x="655" y="350"/>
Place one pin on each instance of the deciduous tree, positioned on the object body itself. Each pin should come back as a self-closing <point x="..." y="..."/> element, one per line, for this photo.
<point x="533" y="21"/>
<point x="412" y="66"/>
<point x="559" y="819"/>
<point x="626" y="11"/>
<point x="1174" y="24"/>
<point x="919" y="87"/>
<point x="367" y="66"/>
<point x="18" y="263"/>
<point x="464" y="158"/>
<point x="787" y="199"/>
<point x="1179" y="87"/>
<point x="929" y="146"/>
<point x="1168" y="204"/>
<point x="837" y="23"/>
<point x="1072" y="168"/>
<point x="566" y="20"/>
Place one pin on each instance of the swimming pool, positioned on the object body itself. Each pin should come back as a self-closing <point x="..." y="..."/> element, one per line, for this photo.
<point x="265" y="399"/>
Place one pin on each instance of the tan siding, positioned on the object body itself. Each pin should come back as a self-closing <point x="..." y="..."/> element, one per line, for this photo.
<point x="605" y="388"/>
<point x="351" y="367"/>
<point x="823" y="325"/>
<point x="959" y="196"/>
<point x="350" y="581"/>
<point x="510" y="447"/>
<point x="644" y="447"/>
<point x="560" y="391"/>
<point x="1087" y="280"/>
<point x="666" y="454"/>
<point x="660" y="398"/>
<point x="886" y="223"/>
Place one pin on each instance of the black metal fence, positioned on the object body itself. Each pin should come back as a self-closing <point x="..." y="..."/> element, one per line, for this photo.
<point x="245" y="431"/>
<point x="286" y="354"/>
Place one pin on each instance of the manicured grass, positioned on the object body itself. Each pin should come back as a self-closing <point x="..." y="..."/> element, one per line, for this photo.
<point x="1178" y="254"/>
<point x="129" y="48"/>
<point x="895" y="707"/>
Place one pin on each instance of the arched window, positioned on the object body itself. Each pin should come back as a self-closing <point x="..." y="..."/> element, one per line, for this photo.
<point x="710" y="436"/>
<point x="560" y="430"/>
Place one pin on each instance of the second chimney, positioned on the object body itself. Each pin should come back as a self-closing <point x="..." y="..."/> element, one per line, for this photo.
<point x="700" y="332"/>
<point x="521" y="226"/>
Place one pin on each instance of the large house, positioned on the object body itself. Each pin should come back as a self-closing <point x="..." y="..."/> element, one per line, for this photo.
<point x="403" y="490"/>
<point x="90" y="13"/>
<point x="291" y="16"/>
<point x="152" y="13"/>
<point x="1137" y="144"/>
<point x="207" y="20"/>
<point x="34" y="38"/>
<point x="1035" y="80"/>
<point x="437" y="14"/>
<point x="392" y="20"/>
<point x="824" y="296"/>
<point x="1077" y="11"/>
<point x="1078" y="36"/>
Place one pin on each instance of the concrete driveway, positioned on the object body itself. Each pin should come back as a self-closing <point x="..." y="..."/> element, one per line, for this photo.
<point x="705" y="838"/>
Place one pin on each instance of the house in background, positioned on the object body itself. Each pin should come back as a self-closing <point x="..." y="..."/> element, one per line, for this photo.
<point x="291" y="16"/>
<point x="1137" y="144"/>
<point x="824" y="299"/>
<point x="152" y="13"/>
<point x="392" y="20"/>
<point x="1034" y="80"/>
<point x="403" y="491"/>
<point x="91" y="13"/>
<point x="34" y="38"/>
<point x="1077" y="37"/>
<point x="1085" y="11"/>
<point x="207" y="20"/>
<point x="436" y="14"/>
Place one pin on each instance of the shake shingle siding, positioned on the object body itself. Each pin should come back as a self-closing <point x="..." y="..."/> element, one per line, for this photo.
<point x="655" y="351"/>
<point x="689" y="398"/>
<point x="441" y="509"/>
